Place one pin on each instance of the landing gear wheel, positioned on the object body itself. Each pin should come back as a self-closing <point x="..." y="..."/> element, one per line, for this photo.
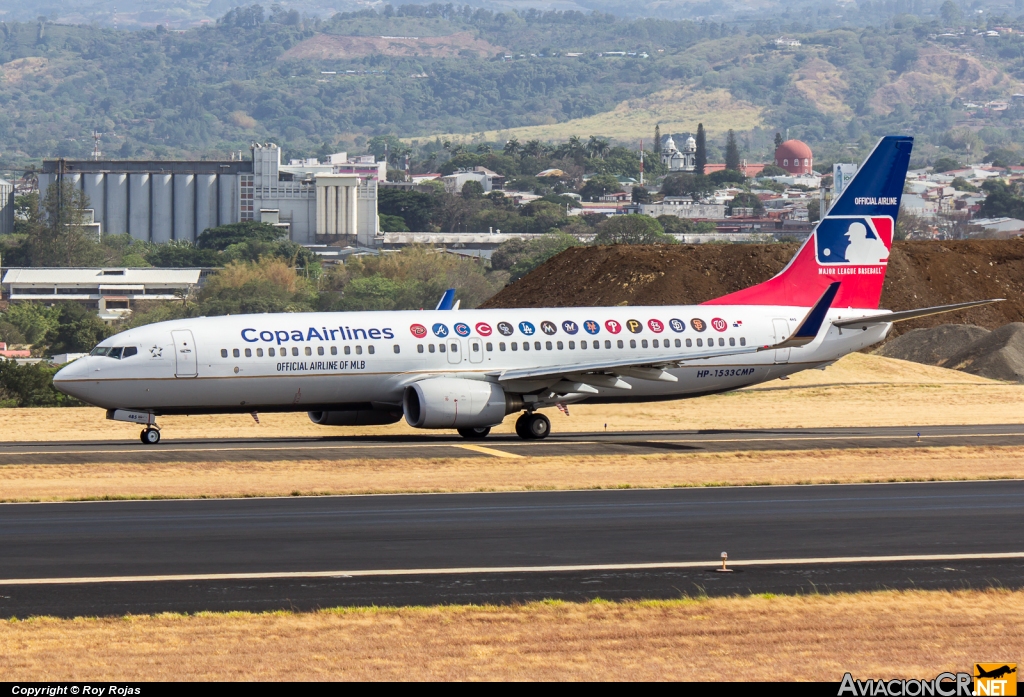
<point x="150" y="436"/>
<point x="521" y="426"/>
<point x="539" y="427"/>
<point x="474" y="433"/>
<point x="533" y="427"/>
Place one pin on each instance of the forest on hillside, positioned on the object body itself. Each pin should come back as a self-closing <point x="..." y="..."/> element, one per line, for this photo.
<point x="214" y="89"/>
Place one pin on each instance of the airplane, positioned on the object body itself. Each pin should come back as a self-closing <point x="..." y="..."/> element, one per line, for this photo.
<point x="468" y="370"/>
<point x="995" y="673"/>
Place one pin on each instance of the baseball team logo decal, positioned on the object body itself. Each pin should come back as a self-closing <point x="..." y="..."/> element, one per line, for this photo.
<point x="591" y="326"/>
<point x="462" y="329"/>
<point x="418" y="331"/>
<point x="527" y="328"/>
<point x="677" y="325"/>
<point x="719" y="324"/>
<point x="505" y="328"/>
<point x="548" y="327"/>
<point x="570" y="327"/>
<point x="613" y="326"/>
<point x="634" y="325"/>
<point x="440" y="330"/>
<point x="656" y="326"/>
<point x="698" y="325"/>
<point x="483" y="329"/>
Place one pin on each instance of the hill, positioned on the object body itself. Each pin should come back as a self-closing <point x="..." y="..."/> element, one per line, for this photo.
<point x="318" y="85"/>
<point x="920" y="274"/>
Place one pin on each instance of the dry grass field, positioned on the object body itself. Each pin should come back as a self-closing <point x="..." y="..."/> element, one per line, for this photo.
<point x="915" y="634"/>
<point x="859" y="390"/>
<point x="487" y="473"/>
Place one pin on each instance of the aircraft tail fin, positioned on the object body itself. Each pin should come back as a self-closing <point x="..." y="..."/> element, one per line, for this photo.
<point x="851" y="243"/>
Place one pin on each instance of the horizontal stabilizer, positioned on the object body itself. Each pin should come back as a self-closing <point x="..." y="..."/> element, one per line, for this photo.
<point x="911" y="314"/>
<point x="815" y="317"/>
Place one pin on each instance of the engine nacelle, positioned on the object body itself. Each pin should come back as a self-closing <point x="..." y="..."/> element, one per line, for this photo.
<point x="355" y="417"/>
<point x="457" y="403"/>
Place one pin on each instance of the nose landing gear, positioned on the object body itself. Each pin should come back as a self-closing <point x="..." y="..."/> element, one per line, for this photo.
<point x="150" y="436"/>
<point x="533" y="426"/>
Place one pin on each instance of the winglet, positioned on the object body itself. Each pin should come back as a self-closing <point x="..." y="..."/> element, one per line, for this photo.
<point x="447" y="300"/>
<point x="811" y="324"/>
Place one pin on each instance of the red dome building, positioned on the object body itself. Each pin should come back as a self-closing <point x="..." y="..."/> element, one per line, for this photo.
<point x="795" y="157"/>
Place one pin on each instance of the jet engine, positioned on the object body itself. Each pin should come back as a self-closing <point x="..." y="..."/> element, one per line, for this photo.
<point x="457" y="403"/>
<point x="355" y="417"/>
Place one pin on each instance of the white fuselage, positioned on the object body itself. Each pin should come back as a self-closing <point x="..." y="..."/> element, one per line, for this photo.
<point x="315" y="361"/>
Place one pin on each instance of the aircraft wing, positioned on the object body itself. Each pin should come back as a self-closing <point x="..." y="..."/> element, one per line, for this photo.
<point x="910" y="314"/>
<point x="606" y="373"/>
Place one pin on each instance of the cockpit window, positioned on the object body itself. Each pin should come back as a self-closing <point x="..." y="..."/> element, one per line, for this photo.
<point x="118" y="352"/>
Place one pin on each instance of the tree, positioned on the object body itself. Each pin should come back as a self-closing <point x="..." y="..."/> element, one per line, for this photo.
<point x="78" y="330"/>
<point x="773" y="171"/>
<point x="392" y="223"/>
<point x="946" y="164"/>
<point x="701" y="156"/>
<point x="686" y="184"/>
<point x="778" y="140"/>
<point x="732" y="152"/>
<point x="657" y="139"/>
<point x="726" y="176"/>
<point x="813" y="210"/>
<point x="641" y="195"/>
<point x="472" y="189"/>
<point x="598" y="146"/>
<point x="599" y="185"/>
<point x="1000" y="202"/>
<point x="951" y="13"/>
<point x="746" y="200"/>
<point x="632" y="229"/>
<point x="416" y="208"/>
<point x="223" y="236"/>
<point x="675" y="225"/>
<point x="512" y="147"/>
<point x="520" y="257"/>
<point x="62" y="240"/>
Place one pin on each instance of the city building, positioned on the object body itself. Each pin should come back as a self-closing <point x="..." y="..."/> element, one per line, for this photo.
<point x="111" y="291"/>
<point x="683" y="207"/>
<point x="676" y="160"/>
<point x="490" y="181"/>
<point x="795" y="157"/>
<point x="159" y="201"/>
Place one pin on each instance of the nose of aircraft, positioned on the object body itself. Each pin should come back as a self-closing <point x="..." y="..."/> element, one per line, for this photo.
<point x="68" y="379"/>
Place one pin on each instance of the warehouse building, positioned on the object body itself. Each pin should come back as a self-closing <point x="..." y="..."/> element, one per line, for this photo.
<point x="160" y="201"/>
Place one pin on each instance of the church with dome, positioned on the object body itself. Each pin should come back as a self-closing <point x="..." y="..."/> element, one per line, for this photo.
<point x="676" y="160"/>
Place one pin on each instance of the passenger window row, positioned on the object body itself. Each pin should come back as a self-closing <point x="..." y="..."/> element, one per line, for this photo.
<point x="584" y="344"/>
<point x="307" y="351"/>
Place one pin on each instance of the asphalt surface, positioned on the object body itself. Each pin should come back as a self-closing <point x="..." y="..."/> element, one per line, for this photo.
<point x="558" y="444"/>
<point x="344" y="536"/>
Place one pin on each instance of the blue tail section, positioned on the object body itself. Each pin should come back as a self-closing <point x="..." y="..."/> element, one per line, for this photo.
<point x="877" y="187"/>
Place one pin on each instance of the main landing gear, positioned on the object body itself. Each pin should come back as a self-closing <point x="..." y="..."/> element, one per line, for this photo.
<point x="150" y="436"/>
<point x="533" y="426"/>
<point x="474" y="433"/>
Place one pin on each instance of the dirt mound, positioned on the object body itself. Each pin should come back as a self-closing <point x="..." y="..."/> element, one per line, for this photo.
<point x="934" y="346"/>
<point x="328" y="46"/>
<point x="920" y="274"/>
<point x="998" y="355"/>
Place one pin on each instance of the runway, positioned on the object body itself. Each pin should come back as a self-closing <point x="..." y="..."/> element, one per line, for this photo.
<point x="310" y="552"/>
<point x="559" y="444"/>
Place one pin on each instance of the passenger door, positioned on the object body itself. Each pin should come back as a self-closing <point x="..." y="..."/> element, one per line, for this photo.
<point x="185" y="363"/>
<point x="454" y="351"/>
<point x="781" y="334"/>
<point x="476" y="351"/>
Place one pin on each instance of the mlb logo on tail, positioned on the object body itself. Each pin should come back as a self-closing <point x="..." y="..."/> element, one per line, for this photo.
<point x="853" y="240"/>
